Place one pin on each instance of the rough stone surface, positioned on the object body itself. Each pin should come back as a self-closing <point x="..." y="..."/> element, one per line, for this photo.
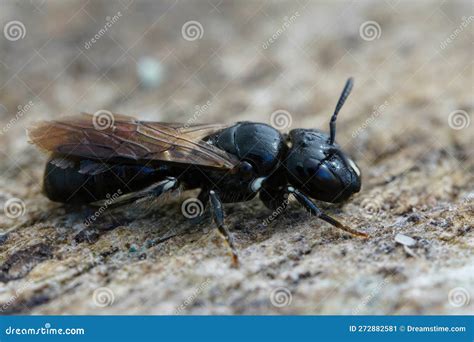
<point x="253" y="58"/>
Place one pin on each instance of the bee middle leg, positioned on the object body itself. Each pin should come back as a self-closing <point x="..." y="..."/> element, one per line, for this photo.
<point x="218" y="214"/>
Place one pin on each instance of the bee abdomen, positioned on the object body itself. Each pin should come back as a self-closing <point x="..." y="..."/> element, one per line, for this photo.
<point x="69" y="184"/>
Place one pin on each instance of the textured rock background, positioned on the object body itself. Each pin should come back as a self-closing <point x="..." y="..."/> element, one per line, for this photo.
<point x="253" y="58"/>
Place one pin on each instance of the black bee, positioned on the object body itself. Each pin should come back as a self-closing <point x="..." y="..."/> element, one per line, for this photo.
<point x="229" y="163"/>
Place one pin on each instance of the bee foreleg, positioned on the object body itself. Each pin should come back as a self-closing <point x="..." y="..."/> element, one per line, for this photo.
<point x="314" y="210"/>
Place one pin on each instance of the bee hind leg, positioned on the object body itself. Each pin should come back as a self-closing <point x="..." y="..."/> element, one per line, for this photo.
<point x="152" y="191"/>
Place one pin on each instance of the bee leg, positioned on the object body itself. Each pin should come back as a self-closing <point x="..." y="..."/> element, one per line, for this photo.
<point x="218" y="214"/>
<point x="314" y="210"/>
<point x="154" y="190"/>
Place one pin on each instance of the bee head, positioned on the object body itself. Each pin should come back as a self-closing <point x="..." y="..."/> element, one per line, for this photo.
<point x="320" y="170"/>
<point x="317" y="165"/>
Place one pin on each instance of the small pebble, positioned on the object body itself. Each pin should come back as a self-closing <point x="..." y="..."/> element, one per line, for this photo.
<point x="405" y="240"/>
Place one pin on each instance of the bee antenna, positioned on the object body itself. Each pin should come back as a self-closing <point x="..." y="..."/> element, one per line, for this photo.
<point x="332" y="124"/>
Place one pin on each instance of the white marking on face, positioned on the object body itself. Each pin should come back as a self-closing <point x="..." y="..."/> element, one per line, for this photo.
<point x="354" y="166"/>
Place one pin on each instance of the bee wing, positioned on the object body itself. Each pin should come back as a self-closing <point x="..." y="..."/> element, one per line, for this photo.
<point x="120" y="136"/>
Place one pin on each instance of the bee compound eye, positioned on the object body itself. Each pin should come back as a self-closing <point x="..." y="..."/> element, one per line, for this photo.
<point x="324" y="175"/>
